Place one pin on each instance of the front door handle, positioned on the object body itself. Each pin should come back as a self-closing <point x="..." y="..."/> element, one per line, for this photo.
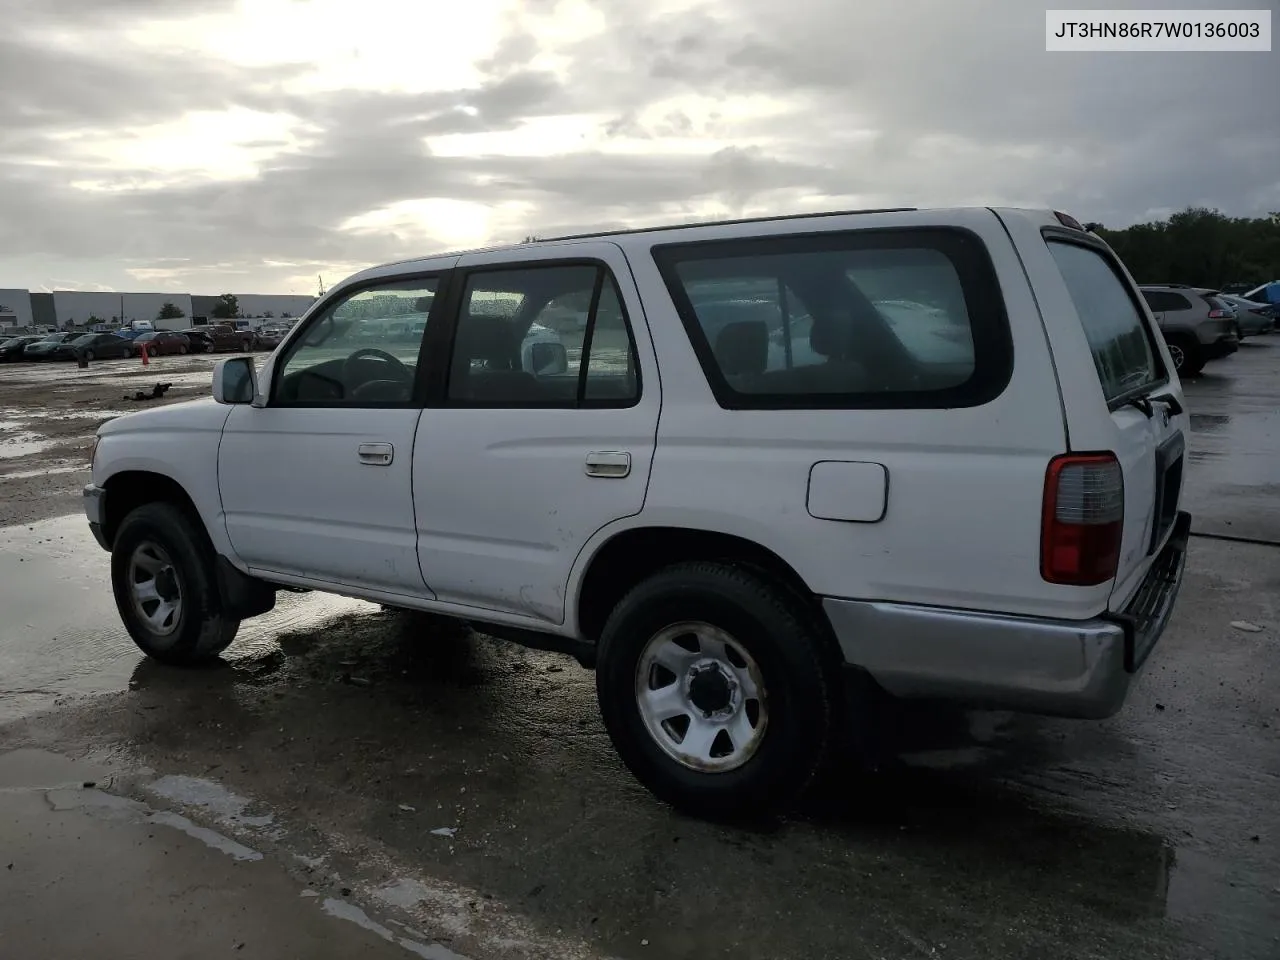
<point x="376" y="454"/>
<point x="608" y="463"/>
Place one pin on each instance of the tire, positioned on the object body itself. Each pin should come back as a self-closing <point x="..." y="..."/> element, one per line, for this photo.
<point x="182" y="349"/>
<point x="160" y="535"/>
<point x="88" y="355"/>
<point x="246" y="345"/>
<point x="796" y="668"/>
<point x="1186" y="356"/>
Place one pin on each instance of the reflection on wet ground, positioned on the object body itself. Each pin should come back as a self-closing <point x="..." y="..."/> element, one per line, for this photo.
<point x="1235" y="443"/>
<point x="61" y="633"/>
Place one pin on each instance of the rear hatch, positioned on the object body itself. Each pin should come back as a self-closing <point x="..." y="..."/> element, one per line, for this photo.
<point x="1140" y="396"/>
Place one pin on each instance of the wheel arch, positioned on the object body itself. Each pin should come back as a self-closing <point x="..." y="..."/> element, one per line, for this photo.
<point x="628" y="556"/>
<point x="130" y="489"/>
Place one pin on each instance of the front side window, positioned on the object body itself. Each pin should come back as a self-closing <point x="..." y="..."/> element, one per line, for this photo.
<point x="1115" y="328"/>
<point x="870" y="319"/>
<point x="545" y="336"/>
<point x="362" y="350"/>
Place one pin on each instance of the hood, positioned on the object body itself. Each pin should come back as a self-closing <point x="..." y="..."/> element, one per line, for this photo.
<point x="204" y="413"/>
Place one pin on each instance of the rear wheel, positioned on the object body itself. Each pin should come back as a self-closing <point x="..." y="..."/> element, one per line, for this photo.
<point x="88" y="355"/>
<point x="717" y="689"/>
<point x="166" y="588"/>
<point x="182" y="348"/>
<point x="1186" y="356"/>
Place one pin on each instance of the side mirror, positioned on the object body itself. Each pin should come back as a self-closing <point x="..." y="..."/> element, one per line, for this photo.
<point x="235" y="380"/>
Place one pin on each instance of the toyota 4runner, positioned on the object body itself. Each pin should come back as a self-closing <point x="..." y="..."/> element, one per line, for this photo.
<point x="754" y="472"/>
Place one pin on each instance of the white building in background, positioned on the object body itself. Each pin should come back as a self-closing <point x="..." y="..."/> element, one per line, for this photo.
<point x="15" y="309"/>
<point x="256" y="305"/>
<point x="76" y="307"/>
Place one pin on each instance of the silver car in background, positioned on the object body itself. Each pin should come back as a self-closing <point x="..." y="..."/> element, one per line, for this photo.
<point x="1252" y="318"/>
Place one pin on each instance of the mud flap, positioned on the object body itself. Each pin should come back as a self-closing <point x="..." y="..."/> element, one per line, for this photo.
<point x="243" y="596"/>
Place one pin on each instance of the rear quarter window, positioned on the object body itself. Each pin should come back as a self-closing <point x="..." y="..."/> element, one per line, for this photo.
<point x="1114" y="325"/>
<point x="859" y="319"/>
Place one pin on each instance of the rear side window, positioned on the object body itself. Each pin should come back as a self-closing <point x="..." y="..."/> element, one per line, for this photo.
<point x="857" y="320"/>
<point x="1113" y="324"/>
<point x="1161" y="301"/>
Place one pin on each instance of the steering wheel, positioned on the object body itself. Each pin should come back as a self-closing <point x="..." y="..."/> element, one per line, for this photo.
<point x="397" y="369"/>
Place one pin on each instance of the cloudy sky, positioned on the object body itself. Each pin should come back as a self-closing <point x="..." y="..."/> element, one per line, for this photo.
<point x="249" y="145"/>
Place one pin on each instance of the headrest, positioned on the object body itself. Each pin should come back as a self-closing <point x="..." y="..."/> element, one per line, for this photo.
<point x="831" y="337"/>
<point x="743" y="347"/>
<point x="483" y="337"/>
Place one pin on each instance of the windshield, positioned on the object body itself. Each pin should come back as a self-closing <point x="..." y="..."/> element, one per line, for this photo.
<point x="87" y="338"/>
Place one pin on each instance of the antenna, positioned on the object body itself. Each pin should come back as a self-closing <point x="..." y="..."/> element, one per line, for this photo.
<point x="321" y="279"/>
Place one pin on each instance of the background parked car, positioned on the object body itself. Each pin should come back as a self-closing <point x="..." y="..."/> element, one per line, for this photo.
<point x="12" y="348"/>
<point x="1196" y="323"/>
<point x="223" y="336"/>
<point x="94" y="346"/>
<point x="268" y="338"/>
<point x="198" y="340"/>
<point x="46" y="347"/>
<point x="1253" y="318"/>
<point x="160" y="343"/>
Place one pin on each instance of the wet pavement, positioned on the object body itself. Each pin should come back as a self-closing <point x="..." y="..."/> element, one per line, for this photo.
<point x="463" y="789"/>
<point x="1233" y="485"/>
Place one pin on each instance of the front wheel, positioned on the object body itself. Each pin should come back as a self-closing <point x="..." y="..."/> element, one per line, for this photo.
<point x="717" y="689"/>
<point x="166" y="588"/>
<point x="88" y="355"/>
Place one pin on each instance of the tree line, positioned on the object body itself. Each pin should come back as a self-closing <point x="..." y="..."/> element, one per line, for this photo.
<point x="1200" y="247"/>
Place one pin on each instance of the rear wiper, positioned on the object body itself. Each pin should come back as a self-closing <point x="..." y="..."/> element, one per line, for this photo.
<point x="1147" y="404"/>
<point x="1169" y="400"/>
<point x="1143" y="404"/>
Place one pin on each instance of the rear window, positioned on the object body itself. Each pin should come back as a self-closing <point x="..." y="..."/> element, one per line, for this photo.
<point x="866" y="319"/>
<point x="1113" y="324"/>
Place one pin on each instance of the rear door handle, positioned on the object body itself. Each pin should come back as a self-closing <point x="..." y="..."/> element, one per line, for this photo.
<point x="376" y="454"/>
<point x="608" y="463"/>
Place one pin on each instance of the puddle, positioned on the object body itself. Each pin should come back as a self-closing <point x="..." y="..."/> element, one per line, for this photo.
<point x="61" y="634"/>
<point x="89" y="414"/>
<point x="48" y="472"/>
<point x="22" y="445"/>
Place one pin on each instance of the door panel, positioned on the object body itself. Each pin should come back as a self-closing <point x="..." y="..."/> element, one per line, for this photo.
<point x="300" y="497"/>
<point x="318" y="482"/>
<point x="512" y="475"/>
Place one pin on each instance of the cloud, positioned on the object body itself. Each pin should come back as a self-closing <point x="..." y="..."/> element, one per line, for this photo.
<point x="138" y="131"/>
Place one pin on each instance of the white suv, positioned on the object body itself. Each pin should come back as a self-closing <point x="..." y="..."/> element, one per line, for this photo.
<point x="730" y="465"/>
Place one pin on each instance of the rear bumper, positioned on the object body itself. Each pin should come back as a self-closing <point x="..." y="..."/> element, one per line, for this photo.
<point x="1221" y="348"/>
<point x="1068" y="668"/>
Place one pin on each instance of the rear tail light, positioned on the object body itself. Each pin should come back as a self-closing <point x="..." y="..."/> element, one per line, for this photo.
<point x="1220" y="315"/>
<point x="1083" y="519"/>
